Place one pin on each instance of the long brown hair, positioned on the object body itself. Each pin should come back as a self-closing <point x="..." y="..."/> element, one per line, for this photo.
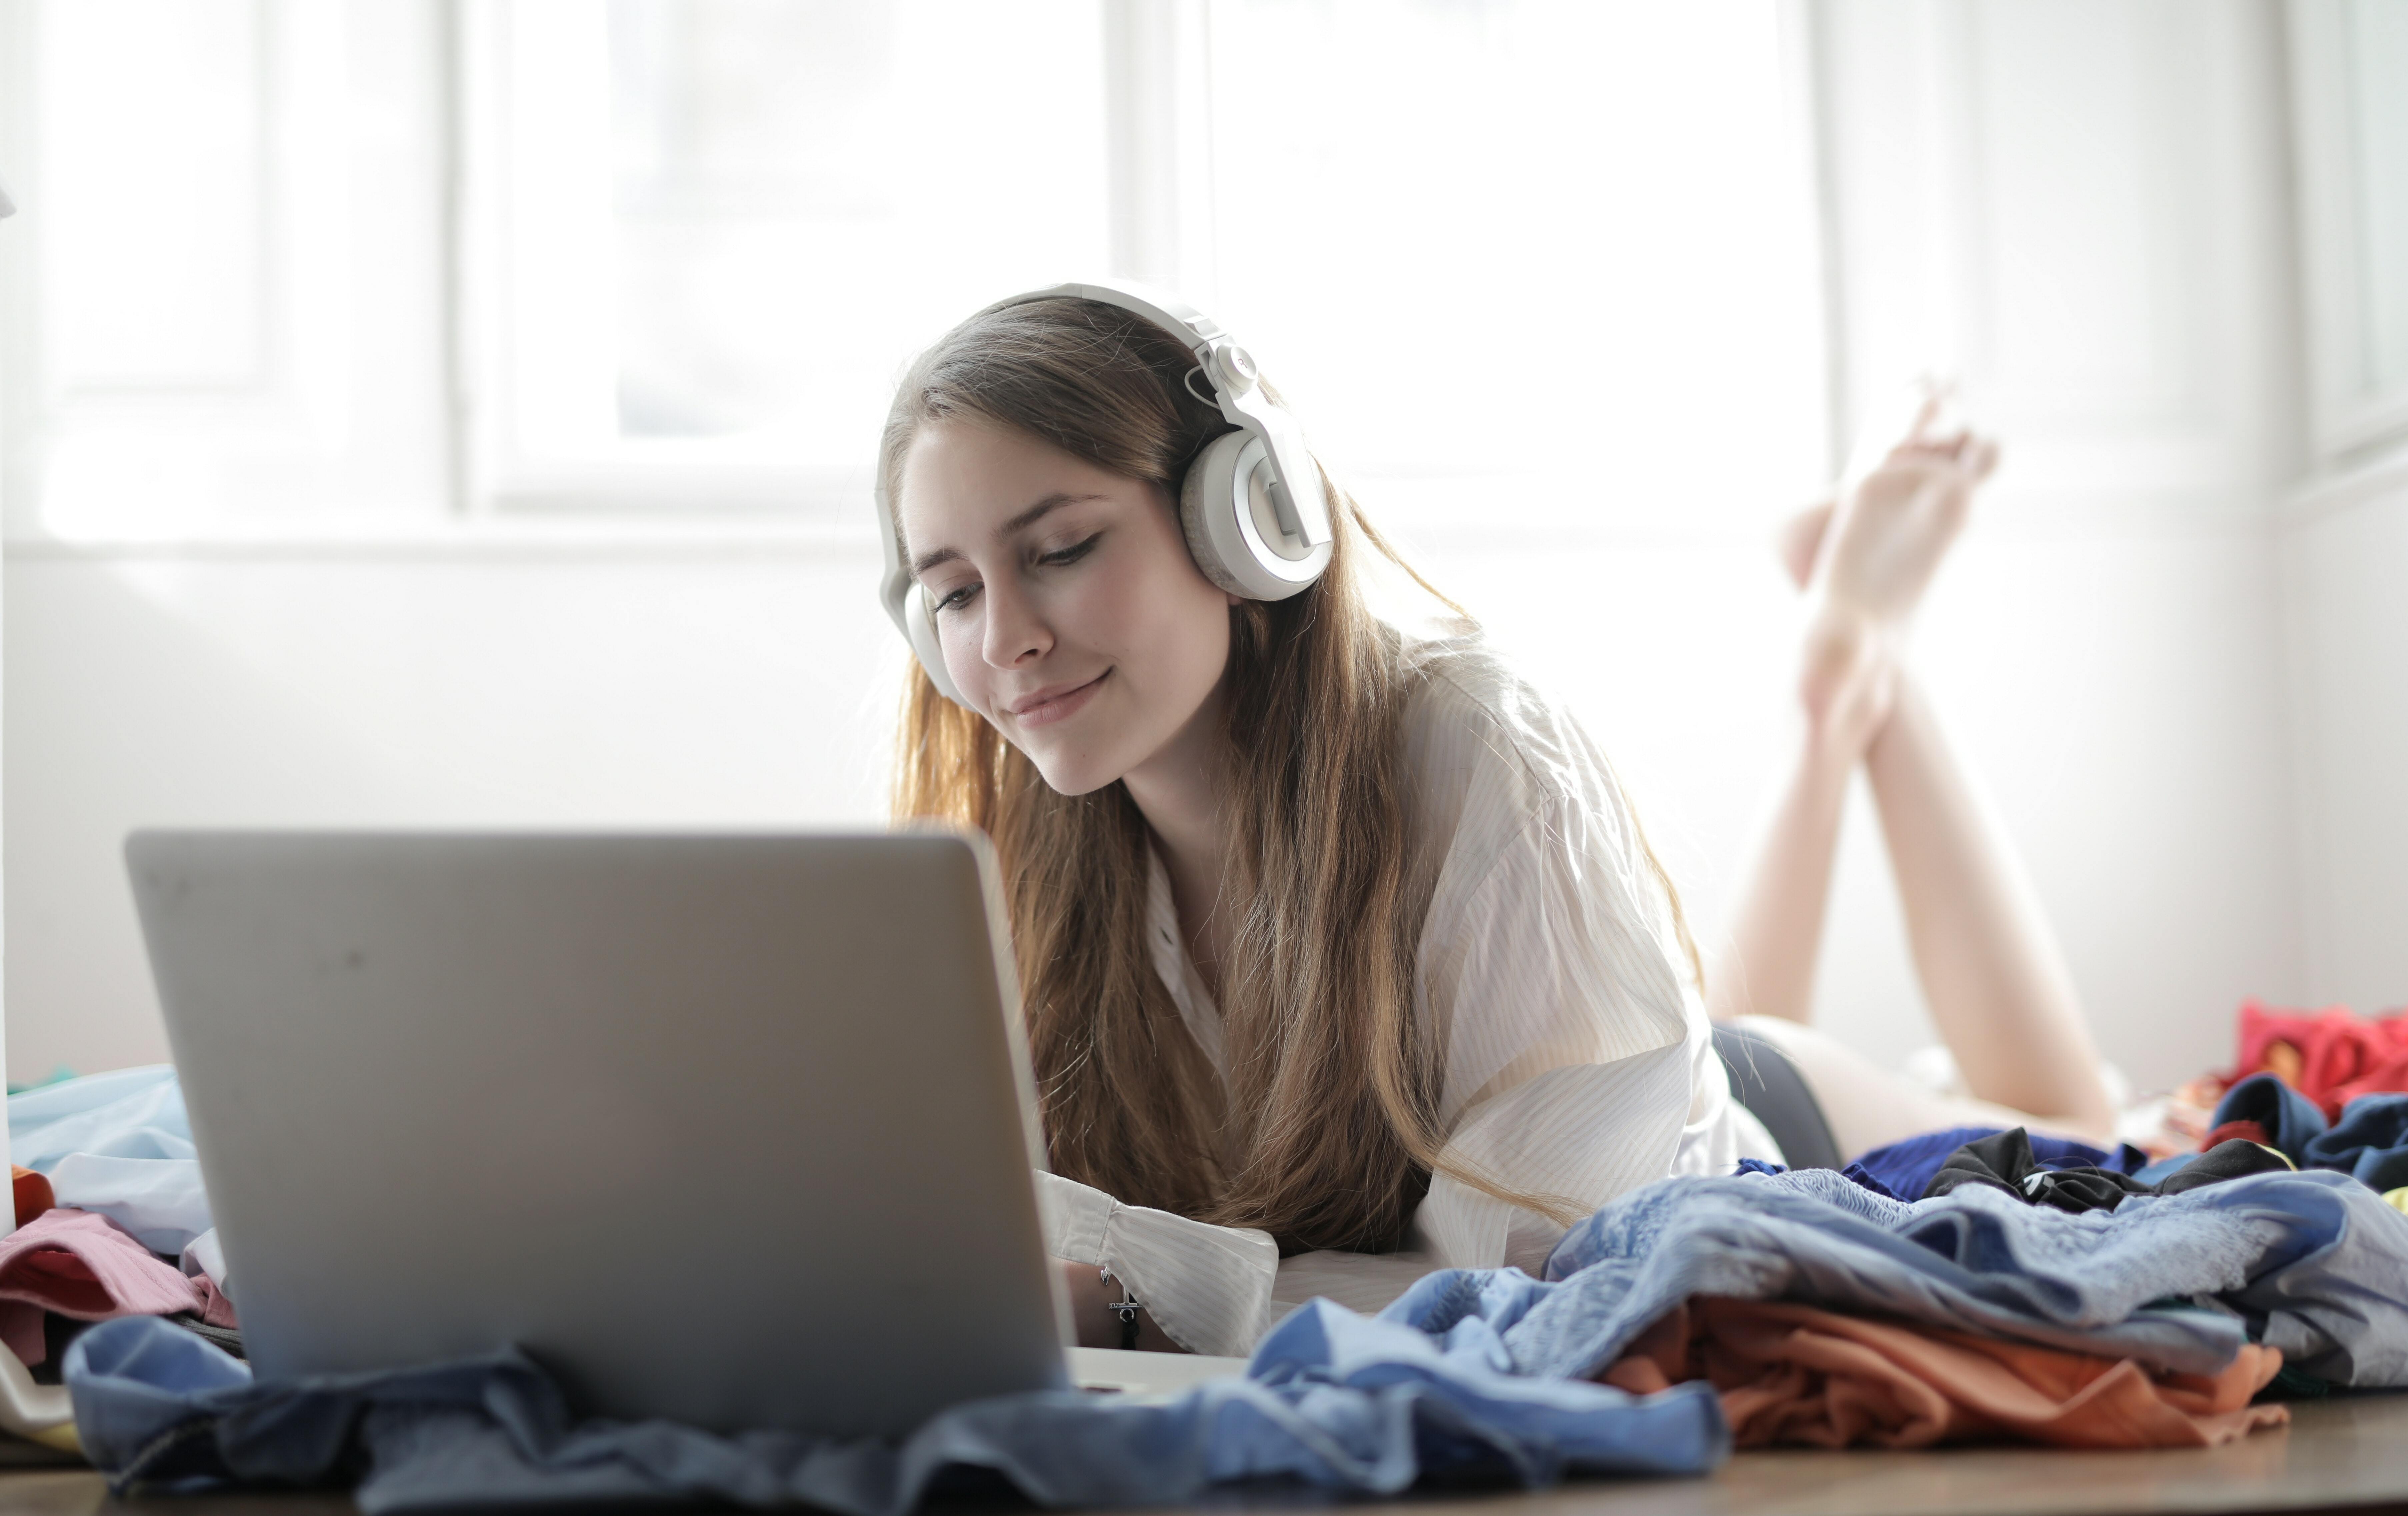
<point x="1325" y="1135"/>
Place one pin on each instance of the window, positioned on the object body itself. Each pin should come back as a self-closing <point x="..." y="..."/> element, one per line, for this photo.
<point x="1561" y="248"/>
<point x="312" y="268"/>
<point x="2347" y="59"/>
<point x="224" y="290"/>
<point x="714" y="230"/>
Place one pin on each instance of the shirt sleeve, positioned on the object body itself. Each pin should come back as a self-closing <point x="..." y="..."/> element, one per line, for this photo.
<point x="1208" y="1287"/>
<point x="1570" y="1029"/>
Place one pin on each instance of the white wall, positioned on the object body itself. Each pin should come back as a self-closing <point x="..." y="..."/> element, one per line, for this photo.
<point x="2346" y="576"/>
<point x="2111" y="690"/>
<point x="509" y="689"/>
<point x="2084" y="210"/>
<point x="2080" y="206"/>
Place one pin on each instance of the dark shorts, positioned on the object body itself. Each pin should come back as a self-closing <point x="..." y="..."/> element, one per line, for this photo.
<point x="1770" y="1086"/>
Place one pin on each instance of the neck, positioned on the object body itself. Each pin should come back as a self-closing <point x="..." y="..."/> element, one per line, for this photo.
<point x="1179" y="791"/>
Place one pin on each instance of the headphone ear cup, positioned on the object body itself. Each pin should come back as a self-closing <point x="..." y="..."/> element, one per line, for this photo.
<point x="1226" y="514"/>
<point x="921" y="628"/>
<point x="1208" y="512"/>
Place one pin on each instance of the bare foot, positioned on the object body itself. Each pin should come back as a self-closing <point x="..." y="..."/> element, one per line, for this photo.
<point x="1799" y="542"/>
<point x="1879" y="551"/>
<point x="1866" y="560"/>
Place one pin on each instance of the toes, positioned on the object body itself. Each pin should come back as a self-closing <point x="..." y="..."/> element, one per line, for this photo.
<point x="1799" y="542"/>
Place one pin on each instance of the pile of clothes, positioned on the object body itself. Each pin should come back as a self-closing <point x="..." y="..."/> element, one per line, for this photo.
<point x="2332" y="1059"/>
<point x="1968" y="1284"/>
<point x="2313" y="1098"/>
<point x="112" y="1217"/>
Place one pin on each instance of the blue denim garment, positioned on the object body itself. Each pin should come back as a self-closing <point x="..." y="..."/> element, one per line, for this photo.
<point x="1331" y="1399"/>
<point x="2314" y="1264"/>
<point x="2369" y="1142"/>
<point x="1905" y="1168"/>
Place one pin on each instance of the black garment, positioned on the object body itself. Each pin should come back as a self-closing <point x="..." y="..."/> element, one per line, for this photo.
<point x="2005" y="1161"/>
<point x="1764" y="1080"/>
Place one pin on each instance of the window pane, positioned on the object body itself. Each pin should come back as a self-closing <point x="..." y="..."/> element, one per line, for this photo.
<point x="2378" y="34"/>
<point x="799" y="196"/>
<point x="1558" y="239"/>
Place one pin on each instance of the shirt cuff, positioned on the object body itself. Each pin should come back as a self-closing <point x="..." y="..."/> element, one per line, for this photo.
<point x="1208" y="1288"/>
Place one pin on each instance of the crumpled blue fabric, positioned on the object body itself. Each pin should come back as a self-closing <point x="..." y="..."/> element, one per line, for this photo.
<point x="120" y="1144"/>
<point x="2291" y="1120"/>
<point x="1856" y="1174"/>
<point x="1905" y="1168"/>
<point x="2369" y="1142"/>
<point x="2314" y="1264"/>
<point x="1332" y="1399"/>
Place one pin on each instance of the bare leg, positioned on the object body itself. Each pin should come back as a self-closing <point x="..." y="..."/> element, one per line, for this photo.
<point x="1989" y="968"/>
<point x="1768" y="969"/>
<point x="1869" y="1106"/>
<point x="1846" y="687"/>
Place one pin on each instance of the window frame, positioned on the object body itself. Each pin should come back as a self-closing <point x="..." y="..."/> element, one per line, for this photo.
<point x="1157" y="220"/>
<point x="1161" y="224"/>
<point x="2350" y="419"/>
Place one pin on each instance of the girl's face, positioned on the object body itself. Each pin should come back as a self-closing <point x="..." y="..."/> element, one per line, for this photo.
<point x="1070" y="615"/>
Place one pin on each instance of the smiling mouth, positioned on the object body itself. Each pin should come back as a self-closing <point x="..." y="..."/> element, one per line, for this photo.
<point x="1061" y="707"/>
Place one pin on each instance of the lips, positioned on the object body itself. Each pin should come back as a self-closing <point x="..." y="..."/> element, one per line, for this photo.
<point x="1059" y="703"/>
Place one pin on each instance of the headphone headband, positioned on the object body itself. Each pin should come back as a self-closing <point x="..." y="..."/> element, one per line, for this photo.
<point x="1258" y="525"/>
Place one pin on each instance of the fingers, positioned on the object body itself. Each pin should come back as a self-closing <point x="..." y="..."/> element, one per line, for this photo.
<point x="1966" y="448"/>
<point x="1926" y="415"/>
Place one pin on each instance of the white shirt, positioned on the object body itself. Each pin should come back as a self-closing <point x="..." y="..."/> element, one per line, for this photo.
<point x="1578" y="1060"/>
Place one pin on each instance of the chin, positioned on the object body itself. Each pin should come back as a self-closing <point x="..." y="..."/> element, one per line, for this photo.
<point x="1073" y="776"/>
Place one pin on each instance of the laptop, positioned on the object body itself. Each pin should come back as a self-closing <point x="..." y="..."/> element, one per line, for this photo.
<point x="735" y="1131"/>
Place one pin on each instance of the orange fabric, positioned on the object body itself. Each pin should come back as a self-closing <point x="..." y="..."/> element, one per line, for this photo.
<point x="2332" y="1056"/>
<point x="33" y="1192"/>
<point x="1794" y="1374"/>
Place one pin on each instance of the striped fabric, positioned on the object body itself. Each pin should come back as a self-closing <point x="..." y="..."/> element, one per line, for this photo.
<point x="1578" y="1061"/>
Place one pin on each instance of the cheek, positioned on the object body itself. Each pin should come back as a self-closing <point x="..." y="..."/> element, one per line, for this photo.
<point x="966" y="660"/>
<point x="1178" y="627"/>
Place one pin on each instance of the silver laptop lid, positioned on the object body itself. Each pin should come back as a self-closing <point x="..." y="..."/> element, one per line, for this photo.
<point x="733" y="1130"/>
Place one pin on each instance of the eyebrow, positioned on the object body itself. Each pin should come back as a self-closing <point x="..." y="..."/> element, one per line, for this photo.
<point x="1026" y="519"/>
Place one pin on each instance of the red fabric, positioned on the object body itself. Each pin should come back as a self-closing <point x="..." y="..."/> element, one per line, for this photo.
<point x="81" y="1264"/>
<point x="1794" y="1374"/>
<point x="33" y="1193"/>
<point x="2332" y="1056"/>
<point x="2237" y="1132"/>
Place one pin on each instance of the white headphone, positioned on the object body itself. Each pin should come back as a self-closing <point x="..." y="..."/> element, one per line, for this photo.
<point x="1251" y="502"/>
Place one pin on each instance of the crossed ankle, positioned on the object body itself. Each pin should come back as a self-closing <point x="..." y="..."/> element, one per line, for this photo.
<point x="1848" y="683"/>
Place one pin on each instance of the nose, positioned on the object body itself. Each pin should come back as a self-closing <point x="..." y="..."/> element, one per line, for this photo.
<point x="1015" y="632"/>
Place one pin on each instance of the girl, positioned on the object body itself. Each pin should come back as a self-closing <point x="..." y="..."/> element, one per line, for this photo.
<point x="1343" y="956"/>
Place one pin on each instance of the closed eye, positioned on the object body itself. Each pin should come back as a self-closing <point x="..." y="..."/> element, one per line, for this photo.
<point x="1072" y="553"/>
<point x="1061" y="558"/>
